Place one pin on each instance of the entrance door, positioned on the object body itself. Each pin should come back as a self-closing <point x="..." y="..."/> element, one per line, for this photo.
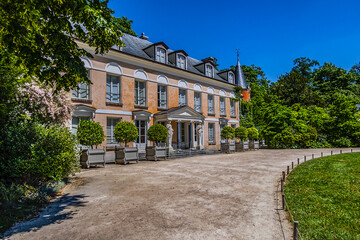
<point x="142" y="128"/>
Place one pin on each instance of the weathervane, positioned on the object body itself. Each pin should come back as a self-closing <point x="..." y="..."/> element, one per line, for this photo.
<point x="238" y="52"/>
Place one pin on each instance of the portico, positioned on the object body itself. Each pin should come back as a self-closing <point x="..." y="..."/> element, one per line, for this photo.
<point x="187" y="125"/>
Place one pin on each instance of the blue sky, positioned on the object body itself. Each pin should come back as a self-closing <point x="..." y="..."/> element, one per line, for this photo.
<point x="269" y="34"/>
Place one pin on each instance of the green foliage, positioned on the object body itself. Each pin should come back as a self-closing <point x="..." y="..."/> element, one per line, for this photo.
<point x="227" y="133"/>
<point x="241" y="133"/>
<point x="253" y="133"/>
<point x="157" y="133"/>
<point x="32" y="152"/>
<point x="125" y="25"/>
<point x="90" y="133"/>
<point x="323" y="195"/>
<point x="125" y="132"/>
<point x="43" y="36"/>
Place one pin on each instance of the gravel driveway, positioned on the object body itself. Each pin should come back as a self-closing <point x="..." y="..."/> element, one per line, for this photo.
<point x="232" y="196"/>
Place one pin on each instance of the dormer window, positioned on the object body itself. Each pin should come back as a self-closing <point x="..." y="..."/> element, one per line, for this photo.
<point x="231" y="78"/>
<point x="181" y="61"/>
<point x="160" y="55"/>
<point x="209" y="70"/>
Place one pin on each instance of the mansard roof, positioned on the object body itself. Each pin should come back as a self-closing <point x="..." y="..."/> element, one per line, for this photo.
<point x="135" y="46"/>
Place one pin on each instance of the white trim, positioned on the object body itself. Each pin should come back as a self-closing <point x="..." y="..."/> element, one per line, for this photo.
<point x="162" y="79"/>
<point x="140" y="74"/>
<point x="233" y="121"/>
<point x="212" y="119"/>
<point x="211" y="91"/>
<point x="113" y="68"/>
<point x="114" y="112"/>
<point x="197" y="87"/>
<point x="87" y="62"/>
<point x="182" y="83"/>
<point x="222" y="93"/>
<point x="184" y="120"/>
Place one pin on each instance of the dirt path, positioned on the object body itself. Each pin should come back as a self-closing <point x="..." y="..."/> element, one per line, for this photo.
<point x="207" y="197"/>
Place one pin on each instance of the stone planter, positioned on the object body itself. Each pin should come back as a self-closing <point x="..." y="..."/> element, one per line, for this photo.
<point x="126" y="154"/>
<point x="239" y="147"/>
<point x="92" y="157"/>
<point x="228" y="147"/>
<point x="155" y="153"/>
<point x="246" y="145"/>
<point x="254" y="145"/>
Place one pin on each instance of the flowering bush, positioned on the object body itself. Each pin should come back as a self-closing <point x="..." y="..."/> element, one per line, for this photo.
<point x="43" y="104"/>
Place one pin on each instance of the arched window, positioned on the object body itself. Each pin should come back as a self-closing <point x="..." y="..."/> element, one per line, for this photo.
<point x="160" y="55"/>
<point x="181" y="61"/>
<point x="209" y="70"/>
<point x="231" y="78"/>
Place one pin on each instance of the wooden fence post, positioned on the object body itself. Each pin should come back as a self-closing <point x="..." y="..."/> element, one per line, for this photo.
<point x="340" y="151"/>
<point x="283" y="175"/>
<point x="292" y="165"/>
<point x="350" y="150"/>
<point x="282" y="186"/>
<point x="331" y="152"/>
<point x="312" y="156"/>
<point x="288" y="170"/>
<point x="322" y="154"/>
<point x="304" y="158"/>
<point x="298" y="161"/>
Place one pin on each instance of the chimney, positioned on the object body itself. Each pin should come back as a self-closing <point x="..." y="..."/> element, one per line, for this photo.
<point x="144" y="37"/>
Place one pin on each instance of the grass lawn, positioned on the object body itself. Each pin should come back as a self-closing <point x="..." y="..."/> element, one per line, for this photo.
<point x="324" y="196"/>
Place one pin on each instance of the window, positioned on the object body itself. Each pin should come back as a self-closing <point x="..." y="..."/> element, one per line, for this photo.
<point x="209" y="70"/>
<point x="182" y="97"/>
<point x="160" y="55"/>
<point x="231" y="78"/>
<point x="181" y="61"/>
<point x="113" y="89"/>
<point x="197" y="101"/>
<point x="111" y="123"/>
<point x="141" y="126"/>
<point x="222" y="106"/>
<point x="232" y="108"/>
<point x="211" y="127"/>
<point x="83" y="90"/>
<point x="75" y="123"/>
<point x="162" y="97"/>
<point x="140" y="93"/>
<point x="211" y="104"/>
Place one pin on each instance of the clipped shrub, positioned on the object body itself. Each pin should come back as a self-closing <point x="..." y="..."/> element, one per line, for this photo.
<point x="227" y="133"/>
<point x="253" y="133"/>
<point x="32" y="152"/>
<point x="125" y="132"/>
<point x="241" y="133"/>
<point x="90" y="133"/>
<point x="157" y="133"/>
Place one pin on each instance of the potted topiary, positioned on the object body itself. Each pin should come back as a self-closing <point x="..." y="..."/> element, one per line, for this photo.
<point x="253" y="134"/>
<point x="242" y="135"/>
<point x="90" y="133"/>
<point x="228" y="133"/>
<point x="156" y="133"/>
<point x="125" y="132"/>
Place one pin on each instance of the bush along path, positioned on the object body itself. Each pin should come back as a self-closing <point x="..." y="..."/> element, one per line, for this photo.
<point x="321" y="196"/>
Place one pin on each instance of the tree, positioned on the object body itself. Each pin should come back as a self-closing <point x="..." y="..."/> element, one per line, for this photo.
<point x="227" y="133"/>
<point x="43" y="36"/>
<point x="125" y="132"/>
<point x="253" y="133"/>
<point x="241" y="133"/>
<point x="90" y="133"/>
<point x="305" y="66"/>
<point x="157" y="133"/>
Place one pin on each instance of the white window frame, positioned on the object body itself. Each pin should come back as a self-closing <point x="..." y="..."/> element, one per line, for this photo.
<point x="211" y="109"/>
<point x="222" y="106"/>
<point x="209" y="70"/>
<point x="76" y="93"/>
<point x="232" y="108"/>
<point x="160" y="54"/>
<point x="137" y="93"/>
<point x="211" y="134"/>
<point x="159" y="94"/>
<point x="110" y="128"/>
<point x="179" y="63"/>
<point x="197" y="107"/>
<point x="185" y="97"/>
<point x="231" y="78"/>
<point x="109" y="95"/>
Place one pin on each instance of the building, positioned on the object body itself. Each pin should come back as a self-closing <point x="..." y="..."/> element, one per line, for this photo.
<point x="148" y="83"/>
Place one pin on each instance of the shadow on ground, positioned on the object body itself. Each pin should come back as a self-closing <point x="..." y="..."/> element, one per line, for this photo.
<point x="54" y="213"/>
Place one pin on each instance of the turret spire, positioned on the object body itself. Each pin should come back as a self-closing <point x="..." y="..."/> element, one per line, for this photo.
<point x="240" y="79"/>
